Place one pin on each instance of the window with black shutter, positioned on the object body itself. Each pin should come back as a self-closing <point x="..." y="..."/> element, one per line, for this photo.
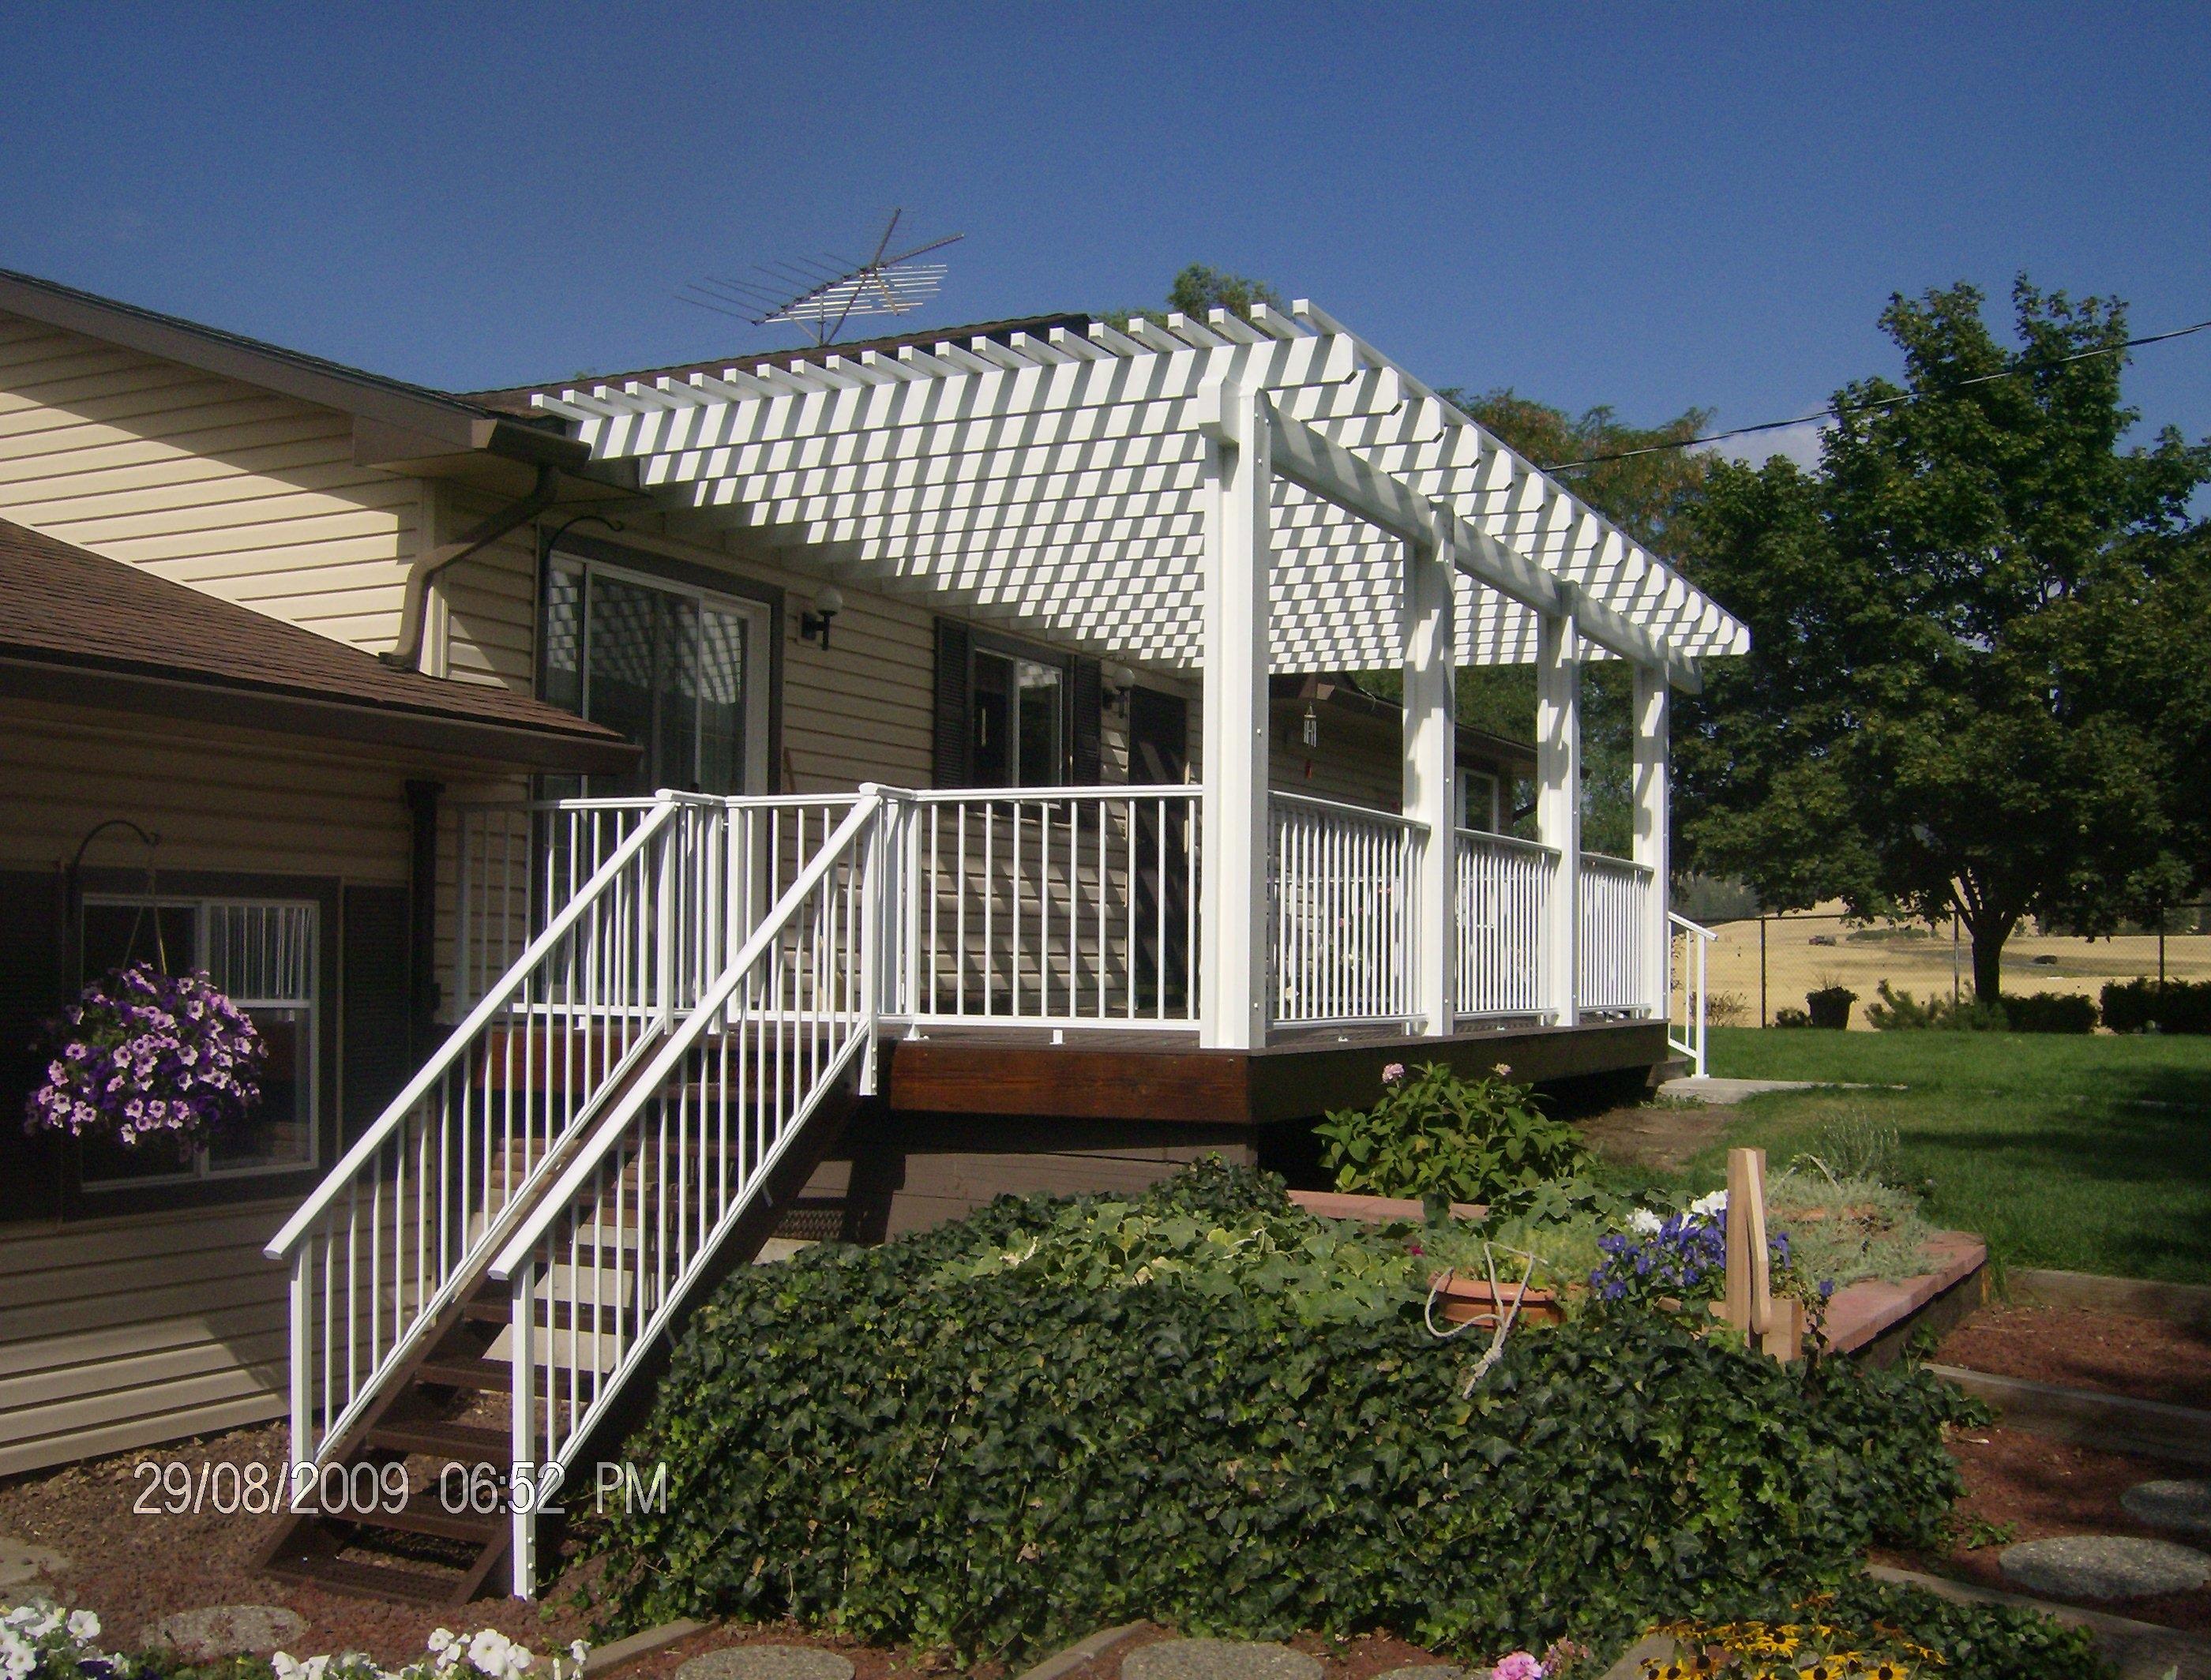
<point x="1014" y="714"/>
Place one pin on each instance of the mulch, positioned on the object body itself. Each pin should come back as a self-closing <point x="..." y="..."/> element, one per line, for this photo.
<point x="2033" y="1488"/>
<point x="2147" y="1358"/>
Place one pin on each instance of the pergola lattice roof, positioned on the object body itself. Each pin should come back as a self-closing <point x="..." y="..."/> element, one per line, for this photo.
<point x="1058" y="483"/>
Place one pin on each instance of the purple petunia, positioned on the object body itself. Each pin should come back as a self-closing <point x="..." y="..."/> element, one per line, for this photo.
<point x="142" y="1052"/>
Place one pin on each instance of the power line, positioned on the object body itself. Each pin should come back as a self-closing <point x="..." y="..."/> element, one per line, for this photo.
<point x="1837" y="412"/>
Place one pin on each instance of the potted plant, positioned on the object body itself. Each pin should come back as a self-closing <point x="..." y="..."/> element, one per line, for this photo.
<point x="146" y="1056"/>
<point x="1830" y="1006"/>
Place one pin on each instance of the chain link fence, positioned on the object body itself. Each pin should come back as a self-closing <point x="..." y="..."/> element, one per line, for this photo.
<point x="1761" y="964"/>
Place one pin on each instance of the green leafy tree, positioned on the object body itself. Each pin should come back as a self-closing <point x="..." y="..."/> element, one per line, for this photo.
<point x="1198" y="289"/>
<point x="1977" y="674"/>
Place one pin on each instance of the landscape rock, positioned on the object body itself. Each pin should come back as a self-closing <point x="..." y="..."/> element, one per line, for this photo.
<point x="228" y="1630"/>
<point x="1424" y="1671"/>
<point x="1223" y="1659"/>
<point x="21" y="1562"/>
<point x="2096" y="1566"/>
<point x="766" y="1662"/>
<point x="2179" y="1508"/>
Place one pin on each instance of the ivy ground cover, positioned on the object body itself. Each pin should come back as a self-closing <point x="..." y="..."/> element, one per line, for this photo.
<point x="939" y="1441"/>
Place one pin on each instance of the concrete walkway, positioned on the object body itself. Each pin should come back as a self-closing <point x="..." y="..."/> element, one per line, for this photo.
<point x="1712" y="1089"/>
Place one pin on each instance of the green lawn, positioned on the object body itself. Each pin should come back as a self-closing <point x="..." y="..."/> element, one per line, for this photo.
<point x="2092" y="1154"/>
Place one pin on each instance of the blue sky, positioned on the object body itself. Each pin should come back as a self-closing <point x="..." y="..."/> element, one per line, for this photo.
<point x="1651" y="207"/>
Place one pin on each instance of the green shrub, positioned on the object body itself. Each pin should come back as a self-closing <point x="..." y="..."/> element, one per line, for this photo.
<point x="1001" y="1461"/>
<point x="2050" y="1012"/>
<point x="1786" y="1017"/>
<point x="2143" y="1006"/>
<point x="1853" y="1145"/>
<point x="1900" y="1011"/>
<point x="1434" y="1135"/>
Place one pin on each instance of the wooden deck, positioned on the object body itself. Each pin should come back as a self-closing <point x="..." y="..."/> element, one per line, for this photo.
<point x="1160" y="1076"/>
<point x="964" y="1118"/>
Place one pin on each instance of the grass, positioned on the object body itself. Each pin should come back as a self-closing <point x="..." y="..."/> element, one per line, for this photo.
<point x="2085" y="1153"/>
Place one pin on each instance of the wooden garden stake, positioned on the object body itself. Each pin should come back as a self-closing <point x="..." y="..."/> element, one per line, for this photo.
<point x="1776" y="1328"/>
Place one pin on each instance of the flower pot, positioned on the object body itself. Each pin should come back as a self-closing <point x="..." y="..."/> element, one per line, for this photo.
<point x="1831" y="1007"/>
<point x="1464" y="1300"/>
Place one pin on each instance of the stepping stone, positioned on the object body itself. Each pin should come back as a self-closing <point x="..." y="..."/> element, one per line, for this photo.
<point x="2180" y="1507"/>
<point x="1424" y="1671"/>
<point x="21" y="1562"/>
<point x="1220" y="1659"/>
<point x="227" y="1630"/>
<point x="766" y="1662"/>
<point x="2095" y="1566"/>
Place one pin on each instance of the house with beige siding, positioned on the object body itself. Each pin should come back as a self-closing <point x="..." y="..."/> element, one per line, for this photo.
<point x="798" y="796"/>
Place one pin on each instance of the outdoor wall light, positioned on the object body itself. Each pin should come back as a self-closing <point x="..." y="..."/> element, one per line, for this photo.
<point x="814" y="626"/>
<point x="1120" y="681"/>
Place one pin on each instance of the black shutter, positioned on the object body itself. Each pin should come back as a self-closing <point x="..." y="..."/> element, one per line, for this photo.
<point x="1089" y="691"/>
<point x="377" y="1060"/>
<point x="956" y="757"/>
<point x="31" y="992"/>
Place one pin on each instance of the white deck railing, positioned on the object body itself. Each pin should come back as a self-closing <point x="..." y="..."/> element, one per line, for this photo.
<point x="1077" y="908"/>
<point x="508" y="865"/>
<point x="1341" y="884"/>
<point x="1499" y="892"/>
<point x="1613" y="937"/>
<point x="638" y="1213"/>
<point x="1685" y="975"/>
<point x="407" y="1218"/>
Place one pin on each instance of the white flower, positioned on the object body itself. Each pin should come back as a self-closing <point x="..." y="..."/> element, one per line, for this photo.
<point x="1704" y="1206"/>
<point x="18" y="1656"/>
<point x="1643" y="1223"/>
<point x="83" y="1626"/>
<point x="493" y="1653"/>
<point x="579" y="1649"/>
<point x="443" y="1641"/>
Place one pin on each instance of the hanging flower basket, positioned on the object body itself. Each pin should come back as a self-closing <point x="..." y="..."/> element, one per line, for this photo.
<point x="144" y="1054"/>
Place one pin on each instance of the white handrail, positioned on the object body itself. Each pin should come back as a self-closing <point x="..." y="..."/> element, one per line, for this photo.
<point x="1345" y="937"/>
<point x="1614" y="934"/>
<point x="637" y="1217"/>
<point x="1693" y="1043"/>
<point x="679" y="1042"/>
<point x="462" y="1038"/>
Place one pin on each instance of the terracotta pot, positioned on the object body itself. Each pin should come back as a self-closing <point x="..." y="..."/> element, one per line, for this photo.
<point x="1461" y="1299"/>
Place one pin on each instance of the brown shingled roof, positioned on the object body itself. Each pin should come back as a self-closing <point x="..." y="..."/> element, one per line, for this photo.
<point x="78" y="627"/>
<point x="517" y="401"/>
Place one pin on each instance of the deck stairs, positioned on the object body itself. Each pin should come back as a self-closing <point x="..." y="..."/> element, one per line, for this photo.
<point x="484" y="1287"/>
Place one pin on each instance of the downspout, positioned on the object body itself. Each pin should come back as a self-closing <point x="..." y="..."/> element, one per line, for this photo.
<point x="407" y="655"/>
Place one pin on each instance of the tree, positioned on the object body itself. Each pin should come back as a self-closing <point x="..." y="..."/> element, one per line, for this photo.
<point x="1974" y="632"/>
<point x="1643" y="494"/>
<point x="1198" y="289"/>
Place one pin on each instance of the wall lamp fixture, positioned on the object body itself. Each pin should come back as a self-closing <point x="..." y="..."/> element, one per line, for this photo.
<point x="814" y="626"/>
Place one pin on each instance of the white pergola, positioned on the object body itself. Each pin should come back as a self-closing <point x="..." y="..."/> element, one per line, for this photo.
<point x="1236" y="497"/>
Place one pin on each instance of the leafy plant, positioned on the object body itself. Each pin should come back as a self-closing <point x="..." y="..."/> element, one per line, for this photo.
<point x="1830" y="1005"/>
<point x="995" y="1459"/>
<point x="1435" y="1135"/>
<point x="1726" y="1009"/>
<point x="42" y="1641"/>
<point x="2048" y="1012"/>
<point x="1855" y="1146"/>
<point x="1787" y="1017"/>
<point x="1900" y="1011"/>
<point x="2147" y="1006"/>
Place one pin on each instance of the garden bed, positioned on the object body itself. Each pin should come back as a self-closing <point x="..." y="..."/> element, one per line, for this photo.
<point x="2112" y="1353"/>
<point x="2023" y="1486"/>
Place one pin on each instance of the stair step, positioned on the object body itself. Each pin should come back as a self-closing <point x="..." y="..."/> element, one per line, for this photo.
<point x="490" y="1376"/>
<point x="470" y="1443"/>
<point x="498" y="1309"/>
<point x="367" y="1580"/>
<point x="423" y="1514"/>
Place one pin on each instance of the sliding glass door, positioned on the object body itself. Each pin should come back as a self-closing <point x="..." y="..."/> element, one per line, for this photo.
<point x="679" y="671"/>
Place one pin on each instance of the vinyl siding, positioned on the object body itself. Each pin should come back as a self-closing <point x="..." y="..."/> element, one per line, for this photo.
<point x="121" y="1333"/>
<point x="241" y="800"/>
<point x="250" y="495"/>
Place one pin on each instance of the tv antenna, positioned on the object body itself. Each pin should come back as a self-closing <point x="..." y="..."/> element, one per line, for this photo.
<point x="833" y="289"/>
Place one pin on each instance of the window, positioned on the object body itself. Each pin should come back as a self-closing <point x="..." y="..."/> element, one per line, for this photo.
<point x="1019" y="710"/>
<point x="677" y="669"/>
<point x="1478" y="796"/>
<point x="266" y="955"/>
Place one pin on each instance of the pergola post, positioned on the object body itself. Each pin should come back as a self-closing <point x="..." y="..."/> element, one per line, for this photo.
<point x="1653" y="794"/>
<point x="1558" y="807"/>
<point x="1236" y="836"/>
<point x="1430" y="737"/>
